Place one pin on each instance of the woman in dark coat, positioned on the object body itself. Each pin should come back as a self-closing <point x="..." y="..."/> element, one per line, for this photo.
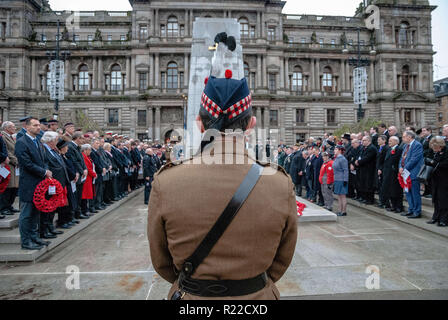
<point x="439" y="180"/>
<point x="366" y="163"/>
<point x="393" y="193"/>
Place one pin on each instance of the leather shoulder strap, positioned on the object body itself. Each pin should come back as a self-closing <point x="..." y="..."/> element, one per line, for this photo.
<point x="240" y="196"/>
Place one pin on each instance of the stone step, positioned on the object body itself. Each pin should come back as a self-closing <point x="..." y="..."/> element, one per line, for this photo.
<point x="9" y="222"/>
<point x="12" y="251"/>
<point x="315" y="213"/>
<point x="420" y="223"/>
<point x="9" y="236"/>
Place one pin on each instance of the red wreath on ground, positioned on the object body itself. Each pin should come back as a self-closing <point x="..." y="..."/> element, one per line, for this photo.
<point x="40" y="196"/>
<point x="5" y="181"/>
<point x="405" y="184"/>
<point x="300" y="208"/>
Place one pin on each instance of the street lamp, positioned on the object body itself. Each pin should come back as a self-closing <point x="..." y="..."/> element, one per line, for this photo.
<point x="184" y="105"/>
<point x="358" y="62"/>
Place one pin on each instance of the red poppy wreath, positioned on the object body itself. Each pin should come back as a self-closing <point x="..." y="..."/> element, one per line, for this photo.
<point x="5" y="181"/>
<point x="41" y="200"/>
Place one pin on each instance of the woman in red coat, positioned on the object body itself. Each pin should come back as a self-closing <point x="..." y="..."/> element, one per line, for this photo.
<point x="326" y="179"/>
<point x="88" y="189"/>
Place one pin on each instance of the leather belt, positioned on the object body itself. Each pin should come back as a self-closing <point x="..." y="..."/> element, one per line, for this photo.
<point x="222" y="288"/>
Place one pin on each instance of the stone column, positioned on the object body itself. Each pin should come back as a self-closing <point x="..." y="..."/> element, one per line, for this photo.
<point x="7" y="73"/>
<point x="266" y="122"/>
<point x="191" y="21"/>
<point x="95" y="74"/>
<point x="157" y="24"/>
<point x="394" y="80"/>
<point x="157" y="125"/>
<point x="413" y="116"/>
<point x="150" y="123"/>
<point x="287" y="86"/>
<point x="397" y="117"/>
<point x="259" y="81"/>
<point x="419" y="78"/>
<point x="318" y="74"/>
<point x="347" y="76"/>
<point x="131" y="75"/>
<point x="33" y="73"/>
<point x="401" y="118"/>
<point x="8" y="24"/>
<point x="187" y="24"/>
<point x="258" y="24"/>
<point x="313" y="75"/>
<point x="100" y="73"/>
<point x="372" y="77"/>
<point x="281" y="85"/>
<point x="422" y="118"/>
<point x="156" y="71"/>
<point x="186" y="73"/>
<point x="128" y="72"/>
<point x="68" y="76"/>
<point x="265" y="73"/>
<point x="343" y="82"/>
<point x="263" y="25"/>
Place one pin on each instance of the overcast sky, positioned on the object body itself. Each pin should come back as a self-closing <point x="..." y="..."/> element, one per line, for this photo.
<point x="322" y="7"/>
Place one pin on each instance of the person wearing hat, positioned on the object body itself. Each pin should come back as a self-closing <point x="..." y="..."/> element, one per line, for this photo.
<point x="259" y="243"/>
<point x="340" y="172"/>
<point x="69" y="129"/>
<point x="66" y="219"/>
<point x="53" y="125"/>
<point x="22" y="131"/>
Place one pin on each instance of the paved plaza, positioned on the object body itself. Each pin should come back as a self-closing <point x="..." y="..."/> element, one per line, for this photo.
<point x="330" y="262"/>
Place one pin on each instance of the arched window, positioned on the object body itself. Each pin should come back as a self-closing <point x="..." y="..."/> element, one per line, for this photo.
<point x="172" y="75"/>
<point x="327" y="79"/>
<point x="297" y="79"/>
<point x="403" y="34"/>
<point x="172" y="27"/>
<point x="244" y="27"/>
<point x="405" y="78"/>
<point x="83" y="78"/>
<point x="116" y="78"/>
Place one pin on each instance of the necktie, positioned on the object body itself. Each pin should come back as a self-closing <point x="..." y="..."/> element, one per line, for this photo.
<point x="35" y="142"/>
<point x="405" y="155"/>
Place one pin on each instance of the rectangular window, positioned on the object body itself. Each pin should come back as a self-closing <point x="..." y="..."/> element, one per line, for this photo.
<point x="303" y="40"/>
<point x="123" y="38"/>
<point x="273" y="118"/>
<point x="113" y="117"/>
<point x="333" y="43"/>
<point x="3" y="30"/>
<point x="2" y="79"/>
<point x="142" y="136"/>
<point x="107" y="82"/>
<point x="143" y="81"/>
<point x="143" y="32"/>
<point x="271" y="34"/>
<point x="272" y="82"/>
<point x="300" y="115"/>
<point x="182" y="30"/>
<point x="321" y="42"/>
<point x="90" y="38"/>
<point x="407" y="116"/>
<point x="109" y="38"/>
<point x="300" y="137"/>
<point x="162" y="30"/>
<point x="76" y="38"/>
<point x="252" y="31"/>
<point x="331" y="116"/>
<point x="141" y="118"/>
<point x="252" y="80"/>
<point x="44" y="38"/>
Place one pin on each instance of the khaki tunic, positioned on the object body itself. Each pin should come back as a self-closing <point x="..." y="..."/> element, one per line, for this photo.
<point x="13" y="163"/>
<point x="187" y="199"/>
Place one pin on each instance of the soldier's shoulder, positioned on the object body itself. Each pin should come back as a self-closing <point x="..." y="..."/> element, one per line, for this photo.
<point x="170" y="165"/>
<point x="273" y="166"/>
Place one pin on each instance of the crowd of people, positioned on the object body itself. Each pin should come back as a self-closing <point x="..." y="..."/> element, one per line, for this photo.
<point x="94" y="171"/>
<point x="381" y="161"/>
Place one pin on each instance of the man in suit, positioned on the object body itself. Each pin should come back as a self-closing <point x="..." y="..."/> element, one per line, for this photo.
<point x="22" y="131"/>
<point x="353" y="177"/>
<point x="383" y="149"/>
<point x="317" y="163"/>
<point x="149" y="169"/>
<point x="412" y="161"/>
<point x="382" y="129"/>
<point x="294" y="170"/>
<point x="43" y="127"/>
<point x="366" y="162"/>
<point x="136" y="164"/>
<point x="53" y="125"/>
<point x="8" y="197"/>
<point x="33" y="169"/>
<point x="100" y="170"/>
<point x="75" y="156"/>
<point x="374" y="135"/>
<point x="393" y="193"/>
<point x="427" y="153"/>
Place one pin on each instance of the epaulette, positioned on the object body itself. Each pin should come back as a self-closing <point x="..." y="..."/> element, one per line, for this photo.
<point x="172" y="164"/>
<point x="273" y="165"/>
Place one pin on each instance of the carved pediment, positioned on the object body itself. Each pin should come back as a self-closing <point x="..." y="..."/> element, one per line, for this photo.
<point x="410" y="96"/>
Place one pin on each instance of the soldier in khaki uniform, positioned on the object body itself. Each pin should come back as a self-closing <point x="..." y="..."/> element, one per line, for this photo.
<point x="187" y="198"/>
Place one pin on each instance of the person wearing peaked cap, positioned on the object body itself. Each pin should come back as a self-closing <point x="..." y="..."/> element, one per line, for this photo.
<point x="53" y="125"/>
<point x="22" y="131"/>
<point x="258" y="245"/>
<point x="43" y="127"/>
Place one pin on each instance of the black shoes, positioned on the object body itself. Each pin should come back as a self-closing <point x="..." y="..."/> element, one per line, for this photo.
<point x="2" y="217"/>
<point x="54" y="231"/>
<point x="399" y="210"/>
<point x="431" y="221"/>
<point x="391" y="209"/>
<point x="414" y="217"/>
<point x="341" y="214"/>
<point x="11" y="209"/>
<point x="83" y="216"/>
<point x="48" y="235"/>
<point x="442" y="224"/>
<point x="7" y="212"/>
<point x="41" y="242"/>
<point x="406" y="214"/>
<point x="65" y="226"/>
<point x="31" y="246"/>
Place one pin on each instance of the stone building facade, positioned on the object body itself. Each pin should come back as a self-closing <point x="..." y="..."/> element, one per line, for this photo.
<point x="127" y="71"/>
<point x="441" y="92"/>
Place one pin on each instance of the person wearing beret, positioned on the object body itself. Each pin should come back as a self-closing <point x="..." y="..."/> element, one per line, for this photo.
<point x="30" y="154"/>
<point x="187" y="198"/>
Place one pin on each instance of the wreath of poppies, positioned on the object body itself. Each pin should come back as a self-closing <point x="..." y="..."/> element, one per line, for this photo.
<point x="43" y="201"/>
<point x="300" y="208"/>
<point x="405" y="184"/>
<point x="5" y="181"/>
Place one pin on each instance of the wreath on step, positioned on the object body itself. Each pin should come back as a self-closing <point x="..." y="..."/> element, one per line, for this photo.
<point x="5" y="181"/>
